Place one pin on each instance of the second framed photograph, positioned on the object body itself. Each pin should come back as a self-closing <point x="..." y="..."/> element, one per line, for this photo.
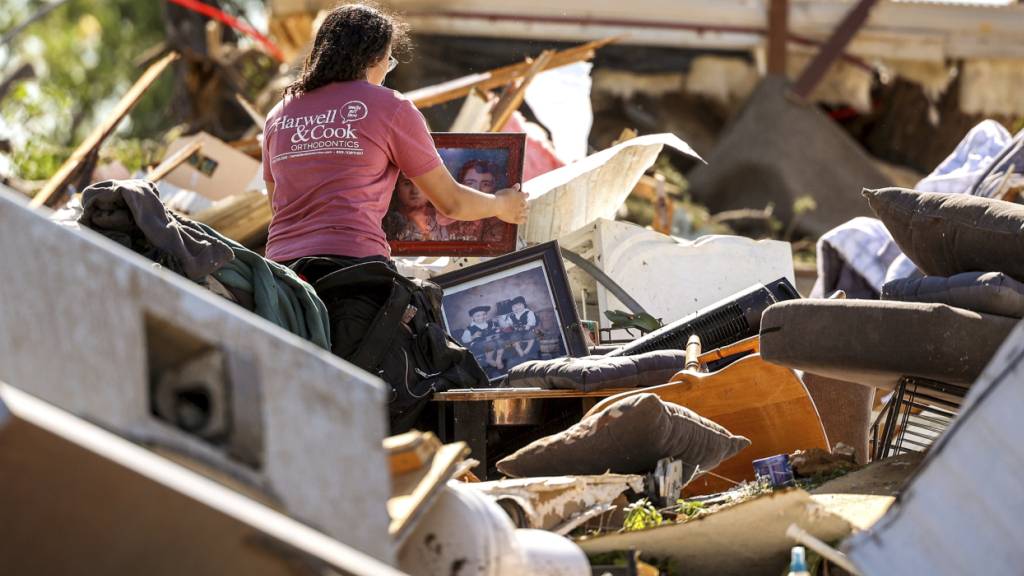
<point x="513" y="309"/>
<point x="483" y="161"/>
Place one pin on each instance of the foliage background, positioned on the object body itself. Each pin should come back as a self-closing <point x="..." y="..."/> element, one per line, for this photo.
<point x="86" y="54"/>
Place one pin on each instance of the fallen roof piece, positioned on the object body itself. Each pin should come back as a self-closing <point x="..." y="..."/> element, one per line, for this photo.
<point x="962" y="510"/>
<point x="567" y="199"/>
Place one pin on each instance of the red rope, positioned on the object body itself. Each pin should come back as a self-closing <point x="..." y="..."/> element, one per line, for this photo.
<point x="229" y="20"/>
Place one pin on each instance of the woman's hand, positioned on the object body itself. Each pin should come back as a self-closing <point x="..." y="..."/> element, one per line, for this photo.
<point x="460" y="202"/>
<point x="512" y="207"/>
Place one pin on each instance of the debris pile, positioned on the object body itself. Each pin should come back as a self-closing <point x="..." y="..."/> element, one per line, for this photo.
<point x="782" y="349"/>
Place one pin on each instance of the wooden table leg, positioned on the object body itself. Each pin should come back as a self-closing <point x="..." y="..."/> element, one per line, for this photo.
<point x="444" y="431"/>
<point x="470" y="426"/>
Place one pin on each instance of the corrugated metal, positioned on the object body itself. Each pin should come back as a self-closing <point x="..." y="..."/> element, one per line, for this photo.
<point x="962" y="513"/>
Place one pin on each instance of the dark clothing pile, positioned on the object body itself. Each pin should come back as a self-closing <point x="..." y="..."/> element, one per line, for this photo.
<point x="130" y="213"/>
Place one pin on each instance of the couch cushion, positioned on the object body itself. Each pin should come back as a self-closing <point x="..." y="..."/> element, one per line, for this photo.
<point x="874" y="342"/>
<point x="946" y="234"/>
<point x="598" y="372"/>
<point x="628" y="437"/>
<point x="986" y="292"/>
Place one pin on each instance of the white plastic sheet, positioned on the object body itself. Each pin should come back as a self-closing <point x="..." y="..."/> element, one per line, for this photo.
<point x="569" y="198"/>
<point x="560" y="98"/>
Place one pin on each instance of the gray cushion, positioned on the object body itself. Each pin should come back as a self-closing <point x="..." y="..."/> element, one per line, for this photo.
<point x="946" y="234"/>
<point x="599" y="373"/>
<point x="875" y="342"/>
<point x="628" y="437"/>
<point x="987" y="292"/>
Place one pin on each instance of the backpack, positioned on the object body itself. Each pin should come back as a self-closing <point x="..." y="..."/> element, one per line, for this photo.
<point x="391" y="326"/>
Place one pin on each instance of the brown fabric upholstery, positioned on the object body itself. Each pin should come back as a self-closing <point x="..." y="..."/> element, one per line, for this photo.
<point x="946" y="234"/>
<point x="876" y="342"/>
<point x="628" y="437"/>
<point x="845" y="410"/>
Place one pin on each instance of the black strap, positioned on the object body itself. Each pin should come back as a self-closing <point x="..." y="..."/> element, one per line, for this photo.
<point x="385" y="325"/>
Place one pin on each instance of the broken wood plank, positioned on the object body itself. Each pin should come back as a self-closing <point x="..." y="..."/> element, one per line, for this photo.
<point x="259" y="119"/>
<point x="173" y="161"/>
<point x="778" y="33"/>
<point x="833" y="48"/>
<point x="512" y="99"/>
<point x="459" y="87"/>
<point x="95" y="139"/>
<point x="410" y="451"/>
<point x="412" y="494"/>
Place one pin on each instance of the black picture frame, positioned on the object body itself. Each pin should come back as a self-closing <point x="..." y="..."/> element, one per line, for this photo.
<point x="495" y="284"/>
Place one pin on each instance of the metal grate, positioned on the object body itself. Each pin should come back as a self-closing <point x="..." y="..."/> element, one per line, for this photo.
<point x="918" y="412"/>
<point x="722" y="323"/>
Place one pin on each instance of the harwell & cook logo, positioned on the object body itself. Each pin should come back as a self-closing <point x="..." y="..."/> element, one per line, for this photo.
<point x="321" y="133"/>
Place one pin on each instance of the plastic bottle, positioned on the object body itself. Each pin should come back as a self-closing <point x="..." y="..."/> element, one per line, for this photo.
<point x="798" y="562"/>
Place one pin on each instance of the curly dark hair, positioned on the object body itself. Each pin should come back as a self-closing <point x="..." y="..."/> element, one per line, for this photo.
<point x="352" y="38"/>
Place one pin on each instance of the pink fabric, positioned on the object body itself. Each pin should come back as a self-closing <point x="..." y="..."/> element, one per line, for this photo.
<point x="334" y="155"/>
<point x="540" y="154"/>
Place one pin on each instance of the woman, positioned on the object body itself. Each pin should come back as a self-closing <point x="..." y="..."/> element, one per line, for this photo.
<point x="335" y="144"/>
<point x="411" y="216"/>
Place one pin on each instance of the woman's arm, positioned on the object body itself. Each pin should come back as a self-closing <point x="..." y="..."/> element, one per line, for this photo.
<point x="270" y="195"/>
<point x="463" y="203"/>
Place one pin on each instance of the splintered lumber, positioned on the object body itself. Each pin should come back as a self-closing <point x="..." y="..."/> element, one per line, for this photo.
<point x="259" y="119"/>
<point x="410" y="451"/>
<point x="513" y="98"/>
<point x="459" y="87"/>
<point x="833" y="48"/>
<point x="413" y="493"/>
<point x="173" y="161"/>
<point x="67" y="171"/>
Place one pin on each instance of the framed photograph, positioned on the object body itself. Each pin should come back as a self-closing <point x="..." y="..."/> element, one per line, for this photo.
<point x="483" y="161"/>
<point x="513" y="309"/>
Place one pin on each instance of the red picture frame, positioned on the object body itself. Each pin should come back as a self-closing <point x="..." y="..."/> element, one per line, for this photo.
<point x="485" y="161"/>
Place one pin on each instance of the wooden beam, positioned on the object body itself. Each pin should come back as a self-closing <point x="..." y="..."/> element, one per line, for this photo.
<point x="512" y="99"/>
<point x="95" y="139"/>
<point x="833" y="48"/>
<point x="170" y="163"/>
<point x="778" y="32"/>
<point x="460" y="87"/>
<point x="259" y="119"/>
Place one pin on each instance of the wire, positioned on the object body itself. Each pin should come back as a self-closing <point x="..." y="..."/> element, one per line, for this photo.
<point x="229" y="20"/>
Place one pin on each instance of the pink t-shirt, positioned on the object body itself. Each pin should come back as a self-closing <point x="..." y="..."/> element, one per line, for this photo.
<point x="334" y="155"/>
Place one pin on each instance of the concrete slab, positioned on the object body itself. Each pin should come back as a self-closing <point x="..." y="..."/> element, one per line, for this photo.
<point x="84" y="322"/>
